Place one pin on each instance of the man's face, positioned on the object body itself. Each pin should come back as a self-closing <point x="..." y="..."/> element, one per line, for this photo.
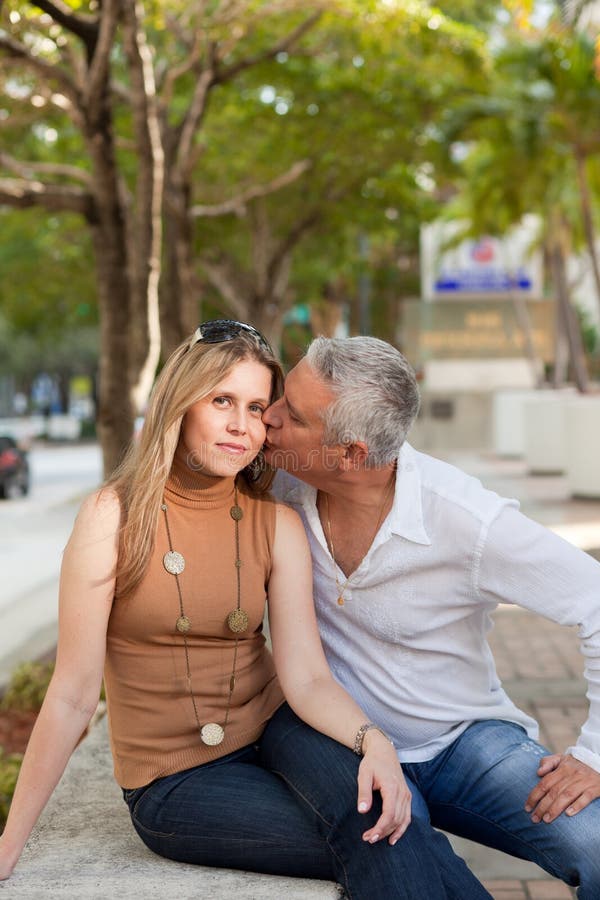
<point x="295" y="426"/>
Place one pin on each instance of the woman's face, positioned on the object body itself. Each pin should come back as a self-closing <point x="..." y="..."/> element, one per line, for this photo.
<point x="223" y="432"/>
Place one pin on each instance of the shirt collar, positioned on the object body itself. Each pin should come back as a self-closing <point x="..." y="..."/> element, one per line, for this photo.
<point x="292" y="490"/>
<point x="406" y="516"/>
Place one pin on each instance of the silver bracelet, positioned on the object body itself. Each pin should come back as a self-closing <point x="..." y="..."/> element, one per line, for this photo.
<point x="360" y="736"/>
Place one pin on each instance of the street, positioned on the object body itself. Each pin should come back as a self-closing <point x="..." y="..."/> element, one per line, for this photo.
<point x="33" y="533"/>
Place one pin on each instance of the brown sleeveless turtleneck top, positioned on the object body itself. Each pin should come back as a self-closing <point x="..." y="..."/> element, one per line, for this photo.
<point x="153" y="728"/>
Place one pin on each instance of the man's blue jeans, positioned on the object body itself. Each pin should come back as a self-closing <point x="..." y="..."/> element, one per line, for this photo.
<point x="235" y="813"/>
<point x="477" y="788"/>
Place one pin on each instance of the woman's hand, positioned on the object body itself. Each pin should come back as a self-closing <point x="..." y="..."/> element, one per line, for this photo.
<point x="380" y="770"/>
<point x="7" y="863"/>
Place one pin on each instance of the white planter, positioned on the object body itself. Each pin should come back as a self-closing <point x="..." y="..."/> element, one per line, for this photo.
<point x="508" y="421"/>
<point x="582" y="430"/>
<point x="64" y="427"/>
<point x="544" y="431"/>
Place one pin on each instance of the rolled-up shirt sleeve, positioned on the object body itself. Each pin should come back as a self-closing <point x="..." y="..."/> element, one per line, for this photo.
<point x="523" y="563"/>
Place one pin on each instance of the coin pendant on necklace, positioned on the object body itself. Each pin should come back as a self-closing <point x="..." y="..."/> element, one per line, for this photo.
<point x="237" y="620"/>
<point x="183" y="624"/>
<point x="236" y="512"/>
<point x="211" y="734"/>
<point x="173" y="562"/>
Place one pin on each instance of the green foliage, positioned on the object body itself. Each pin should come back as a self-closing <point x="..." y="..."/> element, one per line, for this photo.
<point x="474" y="12"/>
<point x="48" y="311"/>
<point x="355" y="99"/>
<point x="361" y="103"/>
<point x="10" y="763"/>
<point x="372" y="97"/>
<point x="47" y="285"/>
<point x="24" y="355"/>
<point x="521" y="138"/>
<point x="589" y="331"/>
<point x="28" y="686"/>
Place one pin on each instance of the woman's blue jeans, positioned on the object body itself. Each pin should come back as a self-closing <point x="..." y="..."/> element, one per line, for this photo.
<point x="236" y="813"/>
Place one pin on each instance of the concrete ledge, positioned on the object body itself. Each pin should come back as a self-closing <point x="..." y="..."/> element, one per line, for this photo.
<point x="85" y="847"/>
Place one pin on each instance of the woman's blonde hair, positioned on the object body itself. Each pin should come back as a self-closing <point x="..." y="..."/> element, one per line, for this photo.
<point x="190" y="373"/>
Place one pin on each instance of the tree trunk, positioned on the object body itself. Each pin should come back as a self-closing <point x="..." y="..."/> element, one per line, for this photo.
<point x="267" y="315"/>
<point x="561" y="347"/>
<point x="145" y="225"/>
<point x="588" y="221"/>
<point x="180" y="291"/>
<point x="127" y="240"/>
<point x="524" y="320"/>
<point x="569" y="318"/>
<point x="115" y="411"/>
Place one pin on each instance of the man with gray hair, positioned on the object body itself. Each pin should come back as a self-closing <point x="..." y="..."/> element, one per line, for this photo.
<point x="410" y="557"/>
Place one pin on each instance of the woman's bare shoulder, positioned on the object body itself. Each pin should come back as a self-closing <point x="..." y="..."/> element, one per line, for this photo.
<point x="99" y="516"/>
<point x="290" y="535"/>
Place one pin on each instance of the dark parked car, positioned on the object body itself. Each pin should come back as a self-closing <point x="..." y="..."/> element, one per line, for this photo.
<point x="14" y="469"/>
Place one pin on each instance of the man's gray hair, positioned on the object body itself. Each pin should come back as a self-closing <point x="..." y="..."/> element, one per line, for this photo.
<point x="377" y="394"/>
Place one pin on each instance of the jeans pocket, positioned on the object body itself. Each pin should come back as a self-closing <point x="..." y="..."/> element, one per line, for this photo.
<point x="132" y="795"/>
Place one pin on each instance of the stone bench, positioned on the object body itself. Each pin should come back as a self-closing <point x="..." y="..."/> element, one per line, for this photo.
<point x="84" y="846"/>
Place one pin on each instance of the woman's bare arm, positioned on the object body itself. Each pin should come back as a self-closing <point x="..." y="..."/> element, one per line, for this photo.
<point x="311" y="690"/>
<point x="87" y="584"/>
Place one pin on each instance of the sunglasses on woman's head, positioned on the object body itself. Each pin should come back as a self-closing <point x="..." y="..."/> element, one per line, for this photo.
<point x="218" y="331"/>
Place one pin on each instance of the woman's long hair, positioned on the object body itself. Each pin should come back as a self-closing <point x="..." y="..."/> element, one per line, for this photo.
<point x="189" y="374"/>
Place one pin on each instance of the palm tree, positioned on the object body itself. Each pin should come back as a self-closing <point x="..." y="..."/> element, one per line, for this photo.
<point x="572" y="10"/>
<point x="559" y="69"/>
<point x="528" y="152"/>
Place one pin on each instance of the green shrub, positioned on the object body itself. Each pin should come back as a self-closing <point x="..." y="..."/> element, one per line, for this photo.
<point x="88" y="430"/>
<point x="28" y="686"/>
<point x="10" y="763"/>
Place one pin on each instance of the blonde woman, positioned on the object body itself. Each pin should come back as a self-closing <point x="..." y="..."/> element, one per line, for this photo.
<point x="163" y="590"/>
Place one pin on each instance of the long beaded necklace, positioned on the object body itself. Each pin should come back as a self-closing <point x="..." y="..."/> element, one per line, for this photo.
<point x="342" y="587"/>
<point x="211" y="733"/>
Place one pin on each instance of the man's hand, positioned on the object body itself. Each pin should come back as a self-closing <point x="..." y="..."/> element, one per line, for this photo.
<point x="566" y="785"/>
<point x="380" y="770"/>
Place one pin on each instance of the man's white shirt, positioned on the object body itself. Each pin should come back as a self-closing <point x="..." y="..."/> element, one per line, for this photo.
<point x="410" y="642"/>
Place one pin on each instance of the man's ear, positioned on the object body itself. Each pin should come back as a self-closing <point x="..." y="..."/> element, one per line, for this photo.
<point x="354" y="456"/>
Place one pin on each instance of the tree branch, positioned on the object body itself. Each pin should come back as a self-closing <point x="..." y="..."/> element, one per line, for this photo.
<point x="120" y="91"/>
<point x="300" y="228"/>
<point x="46" y="69"/>
<point x="181" y="29"/>
<point x="149" y="190"/>
<point x="193" y="118"/>
<point x="75" y="55"/>
<point x="229" y="72"/>
<point x="28" y="169"/>
<point x="224" y="277"/>
<point x="56" y="198"/>
<point x="290" y="241"/>
<point x="237" y="204"/>
<point x="100" y="61"/>
<point x="211" y="75"/>
<point x="174" y="72"/>
<point x="85" y="27"/>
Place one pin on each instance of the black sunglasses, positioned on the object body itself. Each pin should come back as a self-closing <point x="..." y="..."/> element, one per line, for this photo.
<point x="218" y="331"/>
